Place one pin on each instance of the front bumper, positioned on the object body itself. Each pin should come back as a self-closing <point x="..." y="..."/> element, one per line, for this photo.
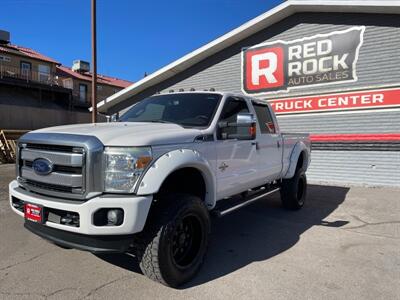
<point x="92" y="243"/>
<point x="135" y="209"/>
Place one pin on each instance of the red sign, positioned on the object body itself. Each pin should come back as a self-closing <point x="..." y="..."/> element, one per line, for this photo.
<point x="33" y="212"/>
<point x="340" y="101"/>
<point x="321" y="59"/>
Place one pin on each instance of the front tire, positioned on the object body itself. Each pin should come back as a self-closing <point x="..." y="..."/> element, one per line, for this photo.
<point x="294" y="190"/>
<point x="171" y="248"/>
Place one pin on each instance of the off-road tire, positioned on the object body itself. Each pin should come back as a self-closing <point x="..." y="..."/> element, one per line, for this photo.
<point x="156" y="244"/>
<point x="294" y="190"/>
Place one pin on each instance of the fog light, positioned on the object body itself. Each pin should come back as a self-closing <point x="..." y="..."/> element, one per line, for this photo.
<point x="115" y="217"/>
<point x="71" y="219"/>
<point x="18" y="204"/>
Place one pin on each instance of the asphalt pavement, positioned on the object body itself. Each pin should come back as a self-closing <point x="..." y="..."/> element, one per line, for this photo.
<point x="344" y="244"/>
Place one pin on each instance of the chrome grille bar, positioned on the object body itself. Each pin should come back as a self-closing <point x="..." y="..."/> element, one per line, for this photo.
<point x="70" y="180"/>
<point x="57" y="158"/>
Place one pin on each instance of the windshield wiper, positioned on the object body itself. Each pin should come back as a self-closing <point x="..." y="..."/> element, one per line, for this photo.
<point x="155" y="121"/>
<point x="159" y="121"/>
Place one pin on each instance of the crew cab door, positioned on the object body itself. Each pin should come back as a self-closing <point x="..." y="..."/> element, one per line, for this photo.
<point x="269" y="143"/>
<point x="236" y="159"/>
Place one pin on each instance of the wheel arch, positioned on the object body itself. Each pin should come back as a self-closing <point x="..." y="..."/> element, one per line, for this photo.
<point x="173" y="162"/>
<point x="299" y="158"/>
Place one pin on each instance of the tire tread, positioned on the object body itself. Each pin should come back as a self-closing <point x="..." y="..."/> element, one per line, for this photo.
<point x="147" y="243"/>
<point x="289" y="191"/>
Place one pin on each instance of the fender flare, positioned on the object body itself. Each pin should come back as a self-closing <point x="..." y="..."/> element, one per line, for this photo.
<point x="294" y="158"/>
<point x="169" y="162"/>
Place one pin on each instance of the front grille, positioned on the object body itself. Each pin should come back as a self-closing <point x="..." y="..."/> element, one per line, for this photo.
<point x="67" y="176"/>
<point x="63" y="169"/>
<point x="60" y="148"/>
<point x="47" y="186"/>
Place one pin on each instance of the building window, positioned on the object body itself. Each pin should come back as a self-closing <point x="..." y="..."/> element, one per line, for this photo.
<point x="5" y="58"/>
<point x="44" y="73"/>
<point x="26" y="68"/>
<point x="82" y="92"/>
<point x="68" y="83"/>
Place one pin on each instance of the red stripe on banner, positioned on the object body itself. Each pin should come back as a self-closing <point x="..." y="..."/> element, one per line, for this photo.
<point x="338" y="102"/>
<point x="368" y="137"/>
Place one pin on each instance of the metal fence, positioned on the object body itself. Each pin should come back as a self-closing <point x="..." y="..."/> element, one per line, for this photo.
<point x="13" y="72"/>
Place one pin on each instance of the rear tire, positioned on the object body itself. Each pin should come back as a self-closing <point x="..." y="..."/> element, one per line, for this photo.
<point x="294" y="190"/>
<point x="171" y="248"/>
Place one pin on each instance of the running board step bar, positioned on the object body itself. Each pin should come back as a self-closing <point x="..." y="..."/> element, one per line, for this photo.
<point x="221" y="213"/>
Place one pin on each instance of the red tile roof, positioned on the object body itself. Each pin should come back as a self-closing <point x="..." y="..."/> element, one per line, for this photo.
<point x="67" y="72"/>
<point x="19" y="50"/>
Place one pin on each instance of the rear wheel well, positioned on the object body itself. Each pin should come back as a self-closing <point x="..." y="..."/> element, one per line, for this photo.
<point x="301" y="160"/>
<point x="186" y="180"/>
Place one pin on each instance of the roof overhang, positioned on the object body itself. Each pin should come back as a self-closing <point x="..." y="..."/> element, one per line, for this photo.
<point x="249" y="28"/>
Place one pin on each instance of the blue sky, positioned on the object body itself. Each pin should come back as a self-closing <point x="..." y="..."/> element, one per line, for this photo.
<point x="133" y="36"/>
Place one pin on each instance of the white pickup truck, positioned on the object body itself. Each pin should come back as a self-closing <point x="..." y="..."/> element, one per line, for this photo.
<point x="148" y="183"/>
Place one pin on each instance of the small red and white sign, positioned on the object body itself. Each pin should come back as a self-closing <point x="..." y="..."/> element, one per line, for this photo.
<point x="337" y="102"/>
<point x="33" y="212"/>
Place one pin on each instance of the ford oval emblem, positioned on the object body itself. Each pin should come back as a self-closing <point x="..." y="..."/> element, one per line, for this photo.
<point x="42" y="166"/>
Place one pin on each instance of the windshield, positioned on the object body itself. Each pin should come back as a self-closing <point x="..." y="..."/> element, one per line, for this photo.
<point x="188" y="110"/>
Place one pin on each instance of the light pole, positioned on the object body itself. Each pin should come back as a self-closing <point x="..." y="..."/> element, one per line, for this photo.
<point x="94" y="64"/>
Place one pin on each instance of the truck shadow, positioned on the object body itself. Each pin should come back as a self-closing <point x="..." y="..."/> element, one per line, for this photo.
<point x="256" y="233"/>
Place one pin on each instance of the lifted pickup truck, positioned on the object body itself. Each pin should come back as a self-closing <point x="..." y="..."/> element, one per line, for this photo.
<point x="148" y="183"/>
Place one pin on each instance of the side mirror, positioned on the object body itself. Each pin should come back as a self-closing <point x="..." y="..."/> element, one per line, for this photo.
<point x="245" y="126"/>
<point x="245" y="119"/>
<point x="114" y="117"/>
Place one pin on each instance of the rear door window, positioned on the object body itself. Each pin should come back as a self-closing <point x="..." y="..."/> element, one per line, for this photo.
<point x="264" y="118"/>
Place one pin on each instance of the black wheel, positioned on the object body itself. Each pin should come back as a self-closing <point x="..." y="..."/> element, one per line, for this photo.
<point x="171" y="248"/>
<point x="294" y="190"/>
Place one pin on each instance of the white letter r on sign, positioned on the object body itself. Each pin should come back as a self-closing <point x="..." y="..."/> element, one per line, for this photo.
<point x="268" y="72"/>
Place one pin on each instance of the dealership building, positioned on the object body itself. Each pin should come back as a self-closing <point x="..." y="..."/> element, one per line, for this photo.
<point x="328" y="68"/>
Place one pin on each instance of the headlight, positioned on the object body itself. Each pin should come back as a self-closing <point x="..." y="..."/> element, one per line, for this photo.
<point x="123" y="167"/>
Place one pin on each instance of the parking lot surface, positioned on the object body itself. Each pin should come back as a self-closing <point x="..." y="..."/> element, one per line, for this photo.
<point x="344" y="244"/>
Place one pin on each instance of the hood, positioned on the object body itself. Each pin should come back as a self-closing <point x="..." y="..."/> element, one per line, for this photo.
<point x="130" y="133"/>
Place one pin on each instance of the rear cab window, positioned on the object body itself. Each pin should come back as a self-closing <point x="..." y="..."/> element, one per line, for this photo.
<point x="264" y="118"/>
